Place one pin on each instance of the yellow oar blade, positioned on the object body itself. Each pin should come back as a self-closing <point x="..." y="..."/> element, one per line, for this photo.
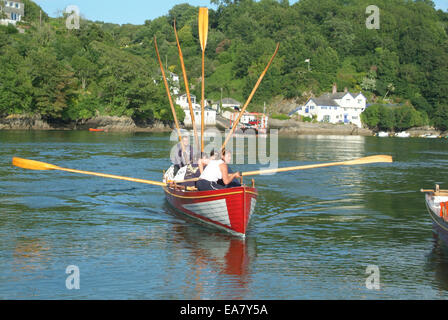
<point x="371" y="159"/>
<point x="32" y="164"/>
<point x="203" y="27"/>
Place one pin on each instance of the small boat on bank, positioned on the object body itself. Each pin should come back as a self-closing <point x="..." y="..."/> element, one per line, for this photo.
<point x="382" y="134"/>
<point x="227" y="209"/>
<point x="403" y="134"/>
<point x="96" y="130"/>
<point x="430" y="136"/>
<point x="437" y="205"/>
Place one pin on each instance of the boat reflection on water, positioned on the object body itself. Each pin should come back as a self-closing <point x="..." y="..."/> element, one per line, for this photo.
<point x="213" y="251"/>
<point x="437" y="259"/>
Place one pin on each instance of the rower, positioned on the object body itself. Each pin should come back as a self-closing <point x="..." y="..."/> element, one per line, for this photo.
<point x="216" y="170"/>
<point x="180" y="159"/>
<point x="193" y="171"/>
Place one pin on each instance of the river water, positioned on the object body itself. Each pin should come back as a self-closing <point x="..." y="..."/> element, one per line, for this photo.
<point x="313" y="235"/>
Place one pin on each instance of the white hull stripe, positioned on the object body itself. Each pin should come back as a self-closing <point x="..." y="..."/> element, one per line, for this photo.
<point x="253" y="203"/>
<point x="213" y="210"/>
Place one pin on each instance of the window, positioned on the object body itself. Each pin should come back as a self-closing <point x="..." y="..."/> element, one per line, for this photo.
<point x="326" y="118"/>
<point x="354" y="117"/>
<point x="13" y="16"/>
<point x="17" y="6"/>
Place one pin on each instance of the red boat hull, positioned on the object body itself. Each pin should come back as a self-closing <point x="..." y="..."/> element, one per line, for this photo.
<point x="96" y="130"/>
<point x="227" y="209"/>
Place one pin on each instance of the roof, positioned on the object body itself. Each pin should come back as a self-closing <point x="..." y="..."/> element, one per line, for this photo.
<point x="230" y="101"/>
<point x="328" y="102"/>
<point x="337" y="95"/>
<point x="184" y="95"/>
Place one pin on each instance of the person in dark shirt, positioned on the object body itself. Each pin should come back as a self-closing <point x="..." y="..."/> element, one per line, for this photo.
<point x="182" y="159"/>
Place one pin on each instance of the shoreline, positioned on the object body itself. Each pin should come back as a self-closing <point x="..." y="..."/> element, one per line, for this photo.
<point x="126" y="124"/>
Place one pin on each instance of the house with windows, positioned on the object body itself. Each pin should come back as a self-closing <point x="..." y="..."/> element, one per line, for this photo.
<point x="209" y="113"/>
<point x="13" y="11"/>
<point x="336" y="107"/>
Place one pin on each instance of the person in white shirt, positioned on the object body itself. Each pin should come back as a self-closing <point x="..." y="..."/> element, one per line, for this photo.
<point x="217" y="170"/>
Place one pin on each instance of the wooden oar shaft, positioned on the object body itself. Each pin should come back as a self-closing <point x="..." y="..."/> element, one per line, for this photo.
<point x="310" y="166"/>
<point x="187" y="88"/>
<point x="202" y="102"/>
<point x="366" y="160"/>
<point x="182" y="181"/>
<point x="173" y="110"/>
<point x="203" y="35"/>
<point x="433" y="191"/>
<point x="156" y="183"/>
<point x="250" y="98"/>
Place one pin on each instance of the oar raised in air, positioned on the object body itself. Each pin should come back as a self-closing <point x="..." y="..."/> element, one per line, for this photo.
<point x="37" y="165"/>
<point x="173" y="110"/>
<point x="365" y="160"/>
<point x="203" y="34"/>
<point x="250" y="98"/>
<point x="187" y="87"/>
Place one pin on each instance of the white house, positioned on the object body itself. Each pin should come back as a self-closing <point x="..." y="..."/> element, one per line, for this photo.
<point x="337" y="107"/>
<point x="209" y="114"/>
<point x="14" y="11"/>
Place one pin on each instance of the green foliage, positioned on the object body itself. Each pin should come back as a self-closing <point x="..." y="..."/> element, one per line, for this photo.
<point x="399" y="118"/>
<point x="113" y="69"/>
<point x="280" y="116"/>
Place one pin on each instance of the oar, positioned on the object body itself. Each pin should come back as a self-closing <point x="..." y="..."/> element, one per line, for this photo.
<point x="187" y="87"/>
<point x="173" y="110"/>
<point x="249" y="99"/>
<point x="37" y="165"/>
<point x="203" y="34"/>
<point x="366" y="160"/>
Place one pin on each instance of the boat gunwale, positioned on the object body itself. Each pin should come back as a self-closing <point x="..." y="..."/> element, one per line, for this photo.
<point x="188" y="194"/>
<point x="434" y="217"/>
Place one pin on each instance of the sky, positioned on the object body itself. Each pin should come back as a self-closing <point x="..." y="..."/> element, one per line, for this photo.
<point x="135" y="11"/>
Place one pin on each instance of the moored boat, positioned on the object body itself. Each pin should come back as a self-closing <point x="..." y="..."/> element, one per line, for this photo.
<point x="96" y="130"/>
<point x="403" y="134"/>
<point x="382" y="134"/>
<point x="437" y="205"/>
<point x="227" y="209"/>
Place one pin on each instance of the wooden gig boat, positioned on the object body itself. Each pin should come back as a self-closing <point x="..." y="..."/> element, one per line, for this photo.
<point x="437" y="205"/>
<point x="227" y="209"/>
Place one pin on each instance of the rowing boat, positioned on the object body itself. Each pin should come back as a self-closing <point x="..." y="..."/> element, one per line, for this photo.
<point x="96" y="130"/>
<point x="437" y="205"/>
<point x="228" y="209"/>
